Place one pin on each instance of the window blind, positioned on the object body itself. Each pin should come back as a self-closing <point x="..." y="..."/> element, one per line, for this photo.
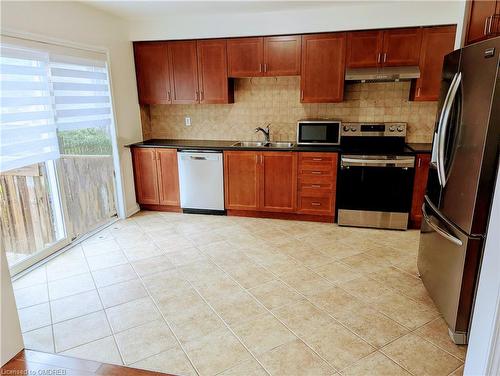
<point x="27" y="127"/>
<point x="47" y="88"/>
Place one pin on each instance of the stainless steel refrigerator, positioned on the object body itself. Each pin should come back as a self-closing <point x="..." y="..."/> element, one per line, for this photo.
<point x="461" y="182"/>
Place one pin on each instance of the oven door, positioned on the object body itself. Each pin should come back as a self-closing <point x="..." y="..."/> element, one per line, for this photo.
<point x="375" y="190"/>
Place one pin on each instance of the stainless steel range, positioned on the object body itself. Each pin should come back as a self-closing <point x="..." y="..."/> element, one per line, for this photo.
<point x="375" y="183"/>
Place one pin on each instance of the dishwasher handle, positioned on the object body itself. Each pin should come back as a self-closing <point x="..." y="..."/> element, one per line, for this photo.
<point x="196" y="158"/>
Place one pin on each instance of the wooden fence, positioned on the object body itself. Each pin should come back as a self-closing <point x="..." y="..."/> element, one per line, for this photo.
<point x="27" y="218"/>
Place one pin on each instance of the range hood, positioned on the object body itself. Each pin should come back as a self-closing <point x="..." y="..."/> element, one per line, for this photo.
<point x="382" y="74"/>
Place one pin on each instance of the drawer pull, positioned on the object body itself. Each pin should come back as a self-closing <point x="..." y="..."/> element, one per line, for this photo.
<point x="316" y="203"/>
<point x="315" y="186"/>
<point x="317" y="159"/>
<point x="316" y="172"/>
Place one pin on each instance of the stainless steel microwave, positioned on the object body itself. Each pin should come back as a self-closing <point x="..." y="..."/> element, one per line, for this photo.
<point x="318" y="132"/>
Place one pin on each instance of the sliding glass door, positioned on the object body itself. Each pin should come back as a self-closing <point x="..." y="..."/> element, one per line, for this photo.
<point x="57" y="179"/>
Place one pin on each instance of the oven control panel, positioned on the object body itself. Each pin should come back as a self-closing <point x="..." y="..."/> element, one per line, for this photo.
<point x="374" y="129"/>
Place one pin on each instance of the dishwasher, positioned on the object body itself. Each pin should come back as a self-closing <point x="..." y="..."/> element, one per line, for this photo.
<point x="201" y="181"/>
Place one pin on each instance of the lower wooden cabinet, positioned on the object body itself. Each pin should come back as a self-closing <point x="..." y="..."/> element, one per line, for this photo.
<point x="422" y="162"/>
<point x="262" y="181"/>
<point x="296" y="183"/>
<point x="156" y="176"/>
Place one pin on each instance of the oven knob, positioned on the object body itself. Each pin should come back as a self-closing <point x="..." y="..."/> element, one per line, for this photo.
<point x="392" y="128"/>
<point x="400" y="129"/>
<point x="346" y="128"/>
<point x="353" y="129"/>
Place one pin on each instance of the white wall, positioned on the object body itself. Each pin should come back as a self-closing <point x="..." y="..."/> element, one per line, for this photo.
<point x="483" y="354"/>
<point x="79" y="23"/>
<point x="11" y="341"/>
<point x="332" y="16"/>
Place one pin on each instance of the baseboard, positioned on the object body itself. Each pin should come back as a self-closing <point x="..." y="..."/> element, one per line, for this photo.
<point x="275" y="215"/>
<point x="164" y="208"/>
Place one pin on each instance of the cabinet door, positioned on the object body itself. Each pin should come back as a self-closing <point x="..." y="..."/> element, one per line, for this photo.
<point x="241" y="180"/>
<point x="212" y="72"/>
<point x="146" y="175"/>
<point x="168" y="177"/>
<point x="278" y="181"/>
<point x="245" y="57"/>
<point x="480" y="14"/>
<point x="183" y="72"/>
<point x="282" y="55"/>
<point x="436" y="43"/>
<point x="364" y="48"/>
<point x="152" y="72"/>
<point x="402" y="47"/>
<point x="323" y="63"/>
<point x="419" y="185"/>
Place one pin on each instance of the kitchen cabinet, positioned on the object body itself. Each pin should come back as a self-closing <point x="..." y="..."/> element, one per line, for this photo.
<point x="364" y="48"/>
<point x="484" y="20"/>
<point x="317" y="181"/>
<point x="260" y="181"/>
<point x="278" y="181"/>
<point x="422" y="162"/>
<point x="436" y="43"/>
<point x="264" y="56"/>
<point x="214" y="86"/>
<point x="183" y="72"/>
<point x="323" y="63"/>
<point x="241" y="180"/>
<point x="152" y="68"/>
<point x="378" y="48"/>
<point x="156" y="176"/>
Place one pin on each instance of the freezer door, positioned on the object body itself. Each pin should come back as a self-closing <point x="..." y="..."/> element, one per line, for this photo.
<point x="462" y="135"/>
<point x="448" y="264"/>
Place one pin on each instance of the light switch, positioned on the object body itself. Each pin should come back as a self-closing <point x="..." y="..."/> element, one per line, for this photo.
<point x="187" y="121"/>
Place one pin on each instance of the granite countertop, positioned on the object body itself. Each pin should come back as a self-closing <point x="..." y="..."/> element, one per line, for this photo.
<point x="228" y="145"/>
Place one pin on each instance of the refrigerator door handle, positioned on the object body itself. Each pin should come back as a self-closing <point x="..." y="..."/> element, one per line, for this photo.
<point x="443" y="126"/>
<point x="439" y="230"/>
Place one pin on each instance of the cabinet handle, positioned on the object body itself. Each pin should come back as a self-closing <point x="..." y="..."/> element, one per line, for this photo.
<point x="317" y="159"/>
<point x="260" y="67"/>
<point x="301" y="94"/>
<point x="316" y="203"/>
<point x="385" y="57"/>
<point x="169" y="98"/>
<point x="316" y="172"/>
<point x="265" y="67"/>
<point x="490" y="21"/>
<point x="378" y="57"/>
<point x="315" y="186"/>
<point x="418" y="92"/>
<point x="419" y="162"/>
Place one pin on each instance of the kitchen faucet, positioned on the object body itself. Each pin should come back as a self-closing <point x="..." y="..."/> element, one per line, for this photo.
<point x="266" y="131"/>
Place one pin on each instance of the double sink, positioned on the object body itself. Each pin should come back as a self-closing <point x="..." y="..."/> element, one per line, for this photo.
<point x="257" y="144"/>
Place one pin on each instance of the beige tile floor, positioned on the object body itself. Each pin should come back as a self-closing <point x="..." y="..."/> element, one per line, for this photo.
<point x="210" y="295"/>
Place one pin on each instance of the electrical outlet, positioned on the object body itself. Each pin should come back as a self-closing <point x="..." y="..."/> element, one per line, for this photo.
<point x="187" y="121"/>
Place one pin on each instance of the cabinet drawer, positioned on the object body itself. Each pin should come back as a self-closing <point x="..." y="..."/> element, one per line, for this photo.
<point x="315" y="190"/>
<point x="316" y="205"/>
<point x="317" y="157"/>
<point x="320" y="169"/>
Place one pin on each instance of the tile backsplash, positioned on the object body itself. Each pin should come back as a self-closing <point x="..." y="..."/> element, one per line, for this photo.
<point x="277" y="100"/>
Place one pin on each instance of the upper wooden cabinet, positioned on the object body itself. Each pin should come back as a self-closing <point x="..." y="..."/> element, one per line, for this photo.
<point x="183" y="72"/>
<point x="436" y="43"/>
<point x="264" y="56"/>
<point x="152" y="67"/>
<point x="364" y="48"/>
<point x="394" y="47"/>
<point x="282" y="55"/>
<point x="323" y="63"/>
<point x="214" y="86"/>
<point x="401" y="47"/>
<point x="156" y="176"/>
<point x="484" y="20"/>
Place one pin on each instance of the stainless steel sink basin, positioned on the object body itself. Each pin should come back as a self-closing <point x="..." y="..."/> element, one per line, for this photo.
<point x="280" y="144"/>
<point x="249" y="144"/>
<point x="254" y="144"/>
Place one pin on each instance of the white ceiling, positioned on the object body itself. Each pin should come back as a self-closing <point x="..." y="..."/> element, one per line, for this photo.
<point x="142" y="10"/>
